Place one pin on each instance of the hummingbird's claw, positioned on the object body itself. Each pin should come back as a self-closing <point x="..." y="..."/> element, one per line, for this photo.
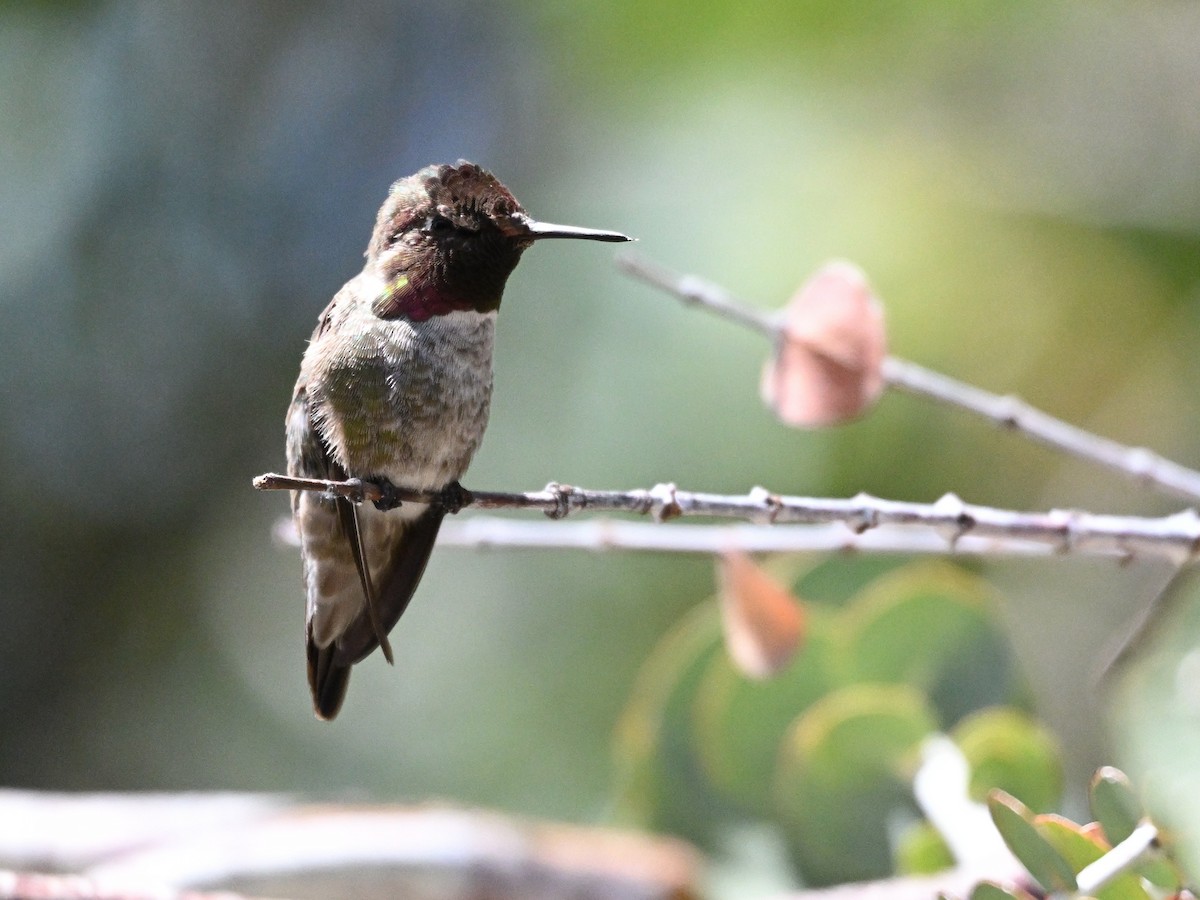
<point x="388" y="499"/>
<point x="454" y="497"/>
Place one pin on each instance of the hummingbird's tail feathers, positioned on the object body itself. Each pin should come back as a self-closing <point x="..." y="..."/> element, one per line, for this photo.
<point x="396" y="589"/>
<point x="327" y="678"/>
<point x="348" y="513"/>
<point x="329" y="666"/>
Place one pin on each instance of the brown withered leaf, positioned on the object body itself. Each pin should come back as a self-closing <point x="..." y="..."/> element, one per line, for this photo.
<point x="762" y="621"/>
<point x="827" y="365"/>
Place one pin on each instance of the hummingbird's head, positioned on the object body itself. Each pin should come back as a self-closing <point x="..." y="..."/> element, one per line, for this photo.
<point x="448" y="237"/>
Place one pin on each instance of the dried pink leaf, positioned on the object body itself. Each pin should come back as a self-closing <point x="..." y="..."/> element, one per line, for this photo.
<point x="827" y="366"/>
<point x="763" y="622"/>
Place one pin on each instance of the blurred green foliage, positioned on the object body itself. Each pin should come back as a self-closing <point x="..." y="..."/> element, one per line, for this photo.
<point x="1007" y="751"/>
<point x="826" y="751"/>
<point x="1154" y="710"/>
<point x="1056" y="851"/>
<point x="843" y="773"/>
<point x="921" y="850"/>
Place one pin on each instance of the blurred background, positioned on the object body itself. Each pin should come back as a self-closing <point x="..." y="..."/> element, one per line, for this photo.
<point x="183" y="190"/>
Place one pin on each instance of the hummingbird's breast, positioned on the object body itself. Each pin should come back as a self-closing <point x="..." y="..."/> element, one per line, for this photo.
<point x="405" y="400"/>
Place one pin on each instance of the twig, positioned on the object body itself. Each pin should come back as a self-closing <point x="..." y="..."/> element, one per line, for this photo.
<point x="1175" y="537"/>
<point x="599" y="535"/>
<point x="1118" y="860"/>
<point x="941" y="787"/>
<point x="1138" y="463"/>
<point x="696" y="291"/>
<point x="556" y="500"/>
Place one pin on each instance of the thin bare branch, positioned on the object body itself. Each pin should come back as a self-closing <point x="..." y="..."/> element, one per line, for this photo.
<point x="1138" y="463"/>
<point x="599" y="535"/>
<point x="556" y="500"/>
<point x="1118" y="860"/>
<point x="1175" y="537"/>
<point x="695" y="291"/>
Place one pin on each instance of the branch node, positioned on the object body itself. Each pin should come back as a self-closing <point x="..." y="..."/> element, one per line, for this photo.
<point x="691" y="289"/>
<point x="959" y="520"/>
<point x="665" y="504"/>
<point x="866" y="516"/>
<point x="1008" y="411"/>
<point x="1187" y="520"/>
<point x="771" y="503"/>
<point x="1063" y="522"/>
<point x="561" y="494"/>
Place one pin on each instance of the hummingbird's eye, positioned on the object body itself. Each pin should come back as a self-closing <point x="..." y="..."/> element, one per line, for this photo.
<point x="438" y="225"/>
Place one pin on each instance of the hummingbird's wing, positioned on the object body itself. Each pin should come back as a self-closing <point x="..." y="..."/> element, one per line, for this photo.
<point x="410" y="553"/>
<point x="321" y="523"/>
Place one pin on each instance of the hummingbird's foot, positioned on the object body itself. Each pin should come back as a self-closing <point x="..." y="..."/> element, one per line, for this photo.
<point x="388" y="499"/>
<point x="454" y="497"/>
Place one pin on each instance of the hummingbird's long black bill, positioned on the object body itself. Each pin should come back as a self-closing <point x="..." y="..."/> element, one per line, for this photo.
<point x="540" y="230"/>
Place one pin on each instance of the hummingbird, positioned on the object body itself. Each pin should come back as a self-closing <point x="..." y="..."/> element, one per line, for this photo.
<point x="395" y="388"/>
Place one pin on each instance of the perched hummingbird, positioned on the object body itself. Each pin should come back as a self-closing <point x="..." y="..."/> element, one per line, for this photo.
<point x="395" y="388"/>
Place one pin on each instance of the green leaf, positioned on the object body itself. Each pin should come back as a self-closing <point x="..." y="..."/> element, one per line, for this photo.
<point x="1014" y="821"/>
<point x="1115" y="804"/>
<point x="834" y="581"/>
<point x="1162" y="872"/>
<point x="920" y="850"/>
<point x="1080" y="849"/>
<point x="659" y="784"/>
<point x="931" y="626"/>
<point x="1118" y="809"/>
<point x="740" y="723"/>
<point x="1006" y="749"/>
<point x="989" y="890"/>
<point x="845" y="768"/>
